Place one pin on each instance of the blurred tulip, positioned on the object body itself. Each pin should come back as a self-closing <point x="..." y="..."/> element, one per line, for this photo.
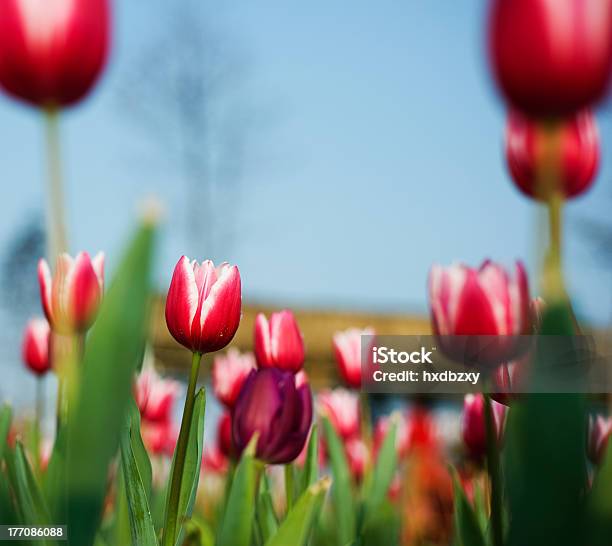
<point x="341" y="407"/>
<point x="35" y="346"/>
<point x="229" y="373"/>
<point x="279" y="343"/>
<point x="203" y="305"/>
<point x="213" y="460"/>
<point x="155" y="396"/>
<point x="551" y="58"/>
<point x="347" y="350"/>
<point x="280" y="413"/>
<point x="358" y="457"/>
<point x="509" y="380"/>
<point x="52" y="51"/>
<point x="577" y="161"/>
<point x="600" y="430"/>
<point x="422" y="431"/>
<point x="479" y="302"/>
<point x="71" y="297"/>
<point x="474" y="428"/>
<point x="159" y="438"/>
<point x="224" y="434"/>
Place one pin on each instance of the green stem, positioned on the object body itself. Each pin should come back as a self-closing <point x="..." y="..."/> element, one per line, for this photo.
<point x="494" y="475"/>
<point x="289" y="486"/>
<point x="174" y="495"/>
<point x="56" y="228"/>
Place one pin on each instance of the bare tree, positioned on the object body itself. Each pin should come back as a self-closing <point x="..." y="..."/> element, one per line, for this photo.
<point x="186" y="91"/>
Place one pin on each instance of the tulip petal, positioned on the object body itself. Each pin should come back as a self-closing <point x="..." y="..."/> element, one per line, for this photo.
<point x="83" y="291"/>
<point x="263" y="343"/>
<point x="474" y="313"/>
<point x="182" y="302"/>
<point x="287" y="345"/>
<point x="45" y="281"/>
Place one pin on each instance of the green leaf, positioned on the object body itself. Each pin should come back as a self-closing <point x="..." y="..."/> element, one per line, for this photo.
<point x="311" y="466"/>
<point x="192" y="466"/>
<point x="98" y="414"/>
<point x="138" y="448"/>
<point x="467" y="527"/>
<point x="295" y="530"/>
<point x="384" y="470"/>
<point x="265" y="514"/>
<point x="198" y="533"/>
<point x="5" y="424"/>
<point x="598" y="524"/>
<point x="341" y="490"/>
<point x="141" y="523"/>
<point x="236" y="526"/>
<point x="383" y="526"/>
<point x="545" y="467"/>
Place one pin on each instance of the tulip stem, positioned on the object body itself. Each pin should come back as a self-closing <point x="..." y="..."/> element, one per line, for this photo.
<point x="494" y="474"/>
<point x="56" y="227"/>
<point x="176" y="479"/>
<point x="289" y="486"/>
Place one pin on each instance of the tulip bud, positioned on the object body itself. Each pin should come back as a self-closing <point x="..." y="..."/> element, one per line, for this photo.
<point x="35" y="346"/>
<point x="271" y="406"/>
<point x="229" y="373"/>
<point x="278" y="343"/>
<point x="600" y="430"/>
<point x="203" y="305"/>
<point x="71" y="297"/>
<point x="341" y="407"/>
<point x="155" y="396"/>
<point x="347" y="350"/>
<point x="52" y="51"/>
<point x="551" y="59"/>
<point x="479" y="302"/>
<point x="224" y="434"/>
<point x="474" y="429"/>
<point x="578" y="155"/>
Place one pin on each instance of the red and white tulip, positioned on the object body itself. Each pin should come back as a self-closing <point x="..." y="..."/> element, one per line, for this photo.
<point x="278" y="342"/>
<point x="341" y="407"/>
<point x="348" y="353"/>
<point x="203" y="305"/>
<point x="35" y="346"/>
<point x="229" y="373"/>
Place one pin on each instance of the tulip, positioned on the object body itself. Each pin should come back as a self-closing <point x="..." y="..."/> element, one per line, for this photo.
<point x="271" y="406"/>
<point x="357" y="456"/>
<point x="479" y="302"/>
<point x="347" y="350"/>
<point x="71" y="297"/>
<point x="35" y="347"/>
<point x="341" y="407"/>
<point x="578" y="155"/>
<point x="229" y="373"/>
<point x="551" y="58"/>
<point x="213" y="460"/>
<point x="474" y="430"/>
<point x="52" y="51"/>
<point x="381" y="430"/>
<point x="224" y="434"/>
<point x="203" y="305"/>
<point x="600" y="430"/>
<point x="159" y="438"/>
<point x="278" y="342"/>
<point x="422" y="432"/>
<point x="155" y="396"/>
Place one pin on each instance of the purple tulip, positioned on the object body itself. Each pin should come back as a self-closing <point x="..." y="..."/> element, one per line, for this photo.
<point x="278" y="406"/>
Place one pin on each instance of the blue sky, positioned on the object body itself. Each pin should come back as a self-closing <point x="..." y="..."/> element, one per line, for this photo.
<point x="378" y="151"/>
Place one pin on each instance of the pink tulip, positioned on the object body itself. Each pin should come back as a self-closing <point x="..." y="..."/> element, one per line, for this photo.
<point x="71" y="297"/>
<point x="600" y="430"/>
<point x="155" y="396"/>
<point x="358" y="457"/>
<point x="214" y="461"/>
<point x="347" y="350"/>
<point x="474" y="429"/>
<point x="203" y="305"/>
<point x="401" y="435"/>
<point x="52" y="51"/>
<point x="159" y="438"/>
<point x="341" y="407"/>
<point x="278" y="343"/>
<point x="229" y="373"/>
<point x="35" y="346"/>
<point x="480" y="302"/>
